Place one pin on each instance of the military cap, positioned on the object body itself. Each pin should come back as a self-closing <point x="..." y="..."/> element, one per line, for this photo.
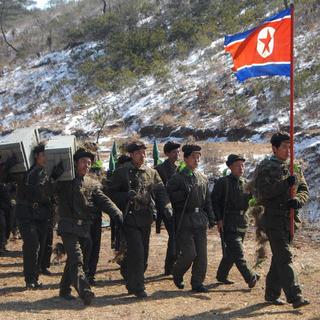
<point x="233" y="158"/>
<point x="39" y="148"/>
<point x="123" y="159"/>
<point x="169" y="146"/>
<point x="187" y="149"/>
<point x="279" y="137"/>
<point x="135" y="146"/>
<point x="83" y="153"/>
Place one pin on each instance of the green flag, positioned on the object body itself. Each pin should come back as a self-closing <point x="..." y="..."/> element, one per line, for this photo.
<point x="155" y="153"/>
<point x="114" y="151"/>
<point x="112" y="163"/>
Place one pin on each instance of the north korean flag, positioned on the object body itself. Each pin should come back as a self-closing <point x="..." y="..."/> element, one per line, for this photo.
<point x="264" y="50"/>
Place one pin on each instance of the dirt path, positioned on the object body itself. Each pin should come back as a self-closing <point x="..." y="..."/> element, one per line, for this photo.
<point x="164" y="301"/>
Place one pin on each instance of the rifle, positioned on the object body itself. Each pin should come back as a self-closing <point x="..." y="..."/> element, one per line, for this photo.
<point x="158" y="223"/>
<point x="222" y="238"/>
<point x="175" y="233"/>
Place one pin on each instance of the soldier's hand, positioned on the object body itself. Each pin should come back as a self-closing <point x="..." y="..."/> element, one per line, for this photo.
<point x="131" y="195"/>
<point x="293" y="203"/>
<point x="57" y="171"/>
<point x="220" y="226"/>
<point x="167" y="212"/>
<point x="11" y="162"/>
<point x="291" y="180"/>
<point x="188" y="189"/>
<point x="118" y="219"/>
<point x="212" y="223"/>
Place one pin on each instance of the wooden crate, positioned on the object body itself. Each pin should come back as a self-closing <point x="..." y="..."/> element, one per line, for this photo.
<point x="21" y="143"/>
<point x="61" y="148"/>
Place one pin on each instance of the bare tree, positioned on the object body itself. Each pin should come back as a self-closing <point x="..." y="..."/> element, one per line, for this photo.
<point x="100" y="117"/>
<point x="9" y="10"/>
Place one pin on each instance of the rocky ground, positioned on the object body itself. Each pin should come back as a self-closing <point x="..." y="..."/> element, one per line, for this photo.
<point x="165" y="301"/>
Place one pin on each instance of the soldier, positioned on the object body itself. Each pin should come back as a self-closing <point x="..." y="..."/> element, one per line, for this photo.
<point x="272" y="182"/>
<point x="7" y="203"/>
<point x="166" y="170"/>
<point x="189" y="194"/>
<point x="230" y="202"/>
<point x="33" y="210"/>
<point x="91" y="246"/>
<point x="135" y="187"/>
<point x="77" y="199"/>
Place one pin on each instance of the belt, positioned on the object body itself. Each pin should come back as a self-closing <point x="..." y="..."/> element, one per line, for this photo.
<point x="78" y="222"/>
<point x="279" y="206"/>
<point x="33" y="205"/>
<point x="236" y="212"/>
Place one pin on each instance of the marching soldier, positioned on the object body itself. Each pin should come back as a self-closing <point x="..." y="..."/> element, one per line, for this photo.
<point x="230" y="202"/>
<point x="272" y="182"/>
<point x="189" y="194"/>
<point x="77" y="199"/>
<point x="166" y="170"/>
<point x="33" y="211"/>
<point x="135" y="187"/>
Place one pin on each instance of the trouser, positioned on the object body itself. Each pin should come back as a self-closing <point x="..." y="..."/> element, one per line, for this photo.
<point x="135" y="262"/>
<point x="91" y="248"/>
<point x="192" y="243"/>
<point x="34" y="236"/>
<point x="234" y="255"/>
<point x="281" y="274"/>
<point x="170" y="255"/>
<point x="46" y="260"/>
<point x="3" y="229"/>
<point x="73" y="273"/>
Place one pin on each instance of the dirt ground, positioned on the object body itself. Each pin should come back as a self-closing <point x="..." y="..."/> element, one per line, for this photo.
<point x="165" y="301"/>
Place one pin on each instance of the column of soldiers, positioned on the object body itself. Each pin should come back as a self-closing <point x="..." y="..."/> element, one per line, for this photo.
<point x="179" y="196"/>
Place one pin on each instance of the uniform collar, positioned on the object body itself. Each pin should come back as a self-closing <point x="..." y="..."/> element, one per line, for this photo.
<point x="274" y="158"/>
<point x="170" y="164"/>
<point x="132" y="166"/>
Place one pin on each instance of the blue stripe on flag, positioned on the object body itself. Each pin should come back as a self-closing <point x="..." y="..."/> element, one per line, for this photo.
<point x="243" y="35"/>
<point x="263" y="70"/>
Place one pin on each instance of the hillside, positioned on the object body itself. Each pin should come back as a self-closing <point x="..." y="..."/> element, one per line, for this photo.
<point x="150" y="70"/>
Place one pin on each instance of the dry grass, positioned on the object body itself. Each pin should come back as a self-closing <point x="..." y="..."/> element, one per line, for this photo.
<point x="164" y="301"/>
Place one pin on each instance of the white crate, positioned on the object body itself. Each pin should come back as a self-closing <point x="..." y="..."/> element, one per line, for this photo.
<point x="61" y="148"/>
<point x="21" y="143"/>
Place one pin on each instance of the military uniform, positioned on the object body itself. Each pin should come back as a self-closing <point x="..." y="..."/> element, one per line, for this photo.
<point x="273" y="193"/>
<point x="5" y="209"/>
<point x="192" y="232"/>
<point x="77" y="199"/>
<point x="134" y="190"/>
<point x="33" y="211"/>
<point x="230" y="203"/>
<point x="166" y="170"/>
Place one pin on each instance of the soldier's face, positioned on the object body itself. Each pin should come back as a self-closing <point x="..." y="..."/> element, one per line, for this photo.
<point x="40" y="159"/>
<point x="138" y="157"/>
<point x="173" y="155"/>
<point x="237" y="168"/>
<point x="193" y="160"/>
<point x="283" y="152"/>
<point x="83" y="166"/>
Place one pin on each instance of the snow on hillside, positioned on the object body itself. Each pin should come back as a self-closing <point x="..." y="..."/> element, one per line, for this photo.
<point x="50" y="92"/>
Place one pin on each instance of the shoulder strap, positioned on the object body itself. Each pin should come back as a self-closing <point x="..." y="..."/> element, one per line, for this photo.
<point x="225" y="196"/>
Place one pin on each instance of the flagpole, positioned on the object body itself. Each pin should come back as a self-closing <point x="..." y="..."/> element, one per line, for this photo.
<point x="292" y="192"/>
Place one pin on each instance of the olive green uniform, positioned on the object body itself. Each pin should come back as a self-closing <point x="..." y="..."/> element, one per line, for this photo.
<point x="33" y="211"/>
<point x="273" y="192"/>
<point x="192" y="226"/>
<point x="77" y="199"/>
<point x="138" y="216"/>
<point x="166" y="170"/>
<point x="230" y="203"/>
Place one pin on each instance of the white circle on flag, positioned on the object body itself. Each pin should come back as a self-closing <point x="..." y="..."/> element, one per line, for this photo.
<point x="265" y="42"/>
